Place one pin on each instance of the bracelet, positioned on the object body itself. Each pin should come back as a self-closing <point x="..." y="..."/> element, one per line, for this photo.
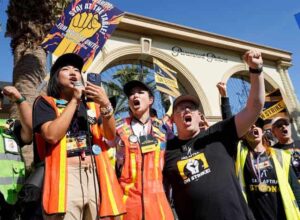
<point x="20" y="100"/>
<point x="107" y="111"/>
<point x="256" y="71"/>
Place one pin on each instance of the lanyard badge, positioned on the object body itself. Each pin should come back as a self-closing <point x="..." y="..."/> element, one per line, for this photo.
<point x="10" y="145"/>
<point x="148" y="143"/>
<point x="133" y="140"/>
<point x="91" y="116"/>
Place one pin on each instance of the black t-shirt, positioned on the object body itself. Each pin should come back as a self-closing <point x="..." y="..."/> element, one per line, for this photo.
<point x="77" y="131"/>
<point x="264" y="205"/>
<point x="202" y="175"/>
<point x="294" y="148"/>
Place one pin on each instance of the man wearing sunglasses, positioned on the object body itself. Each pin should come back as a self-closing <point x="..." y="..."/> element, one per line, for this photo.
<point x="281" y="129"/>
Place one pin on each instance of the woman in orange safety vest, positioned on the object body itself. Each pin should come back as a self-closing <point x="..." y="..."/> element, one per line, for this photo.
<point x="79" y="180"/>
<point x="140" y="158"/>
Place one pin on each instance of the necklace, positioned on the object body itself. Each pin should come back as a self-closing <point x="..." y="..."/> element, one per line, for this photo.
<point x="262" y="186"/>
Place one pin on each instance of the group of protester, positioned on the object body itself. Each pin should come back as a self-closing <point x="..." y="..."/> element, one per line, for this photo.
<point x="223" y="171"/>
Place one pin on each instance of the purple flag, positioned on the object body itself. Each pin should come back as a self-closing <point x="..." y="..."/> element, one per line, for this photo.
<point x="297" y="16"/>
<point x="83" y="28"/>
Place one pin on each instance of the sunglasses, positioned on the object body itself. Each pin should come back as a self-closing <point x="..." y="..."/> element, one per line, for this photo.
<point x="181" y="108"/>
<point x="280" y="124"/>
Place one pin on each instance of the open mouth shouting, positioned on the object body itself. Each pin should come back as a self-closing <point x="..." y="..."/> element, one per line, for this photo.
<point x="284" y="131"/>
<point x="255" y="133"/>
<point x="136" y="104"/>
<point x="187" y="119"/>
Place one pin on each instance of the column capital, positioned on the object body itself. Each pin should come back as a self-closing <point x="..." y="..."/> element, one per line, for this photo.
<point x="284" y="64"/>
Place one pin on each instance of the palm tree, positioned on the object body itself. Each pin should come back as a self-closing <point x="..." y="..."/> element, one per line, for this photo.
<point x="28" y="23"/>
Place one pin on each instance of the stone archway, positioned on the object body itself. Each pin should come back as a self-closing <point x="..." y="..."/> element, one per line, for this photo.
<point x="185" y="76"/>
<point x="268" y="78"/>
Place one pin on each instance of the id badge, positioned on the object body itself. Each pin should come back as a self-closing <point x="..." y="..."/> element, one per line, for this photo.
<point x="91" y="116"/>
<point x="71" y="143"/>
<point x="81" y="141"/>
<point x="148" y="144"/>
<point x="11" y="146"/>
<point x="133" y="140"/>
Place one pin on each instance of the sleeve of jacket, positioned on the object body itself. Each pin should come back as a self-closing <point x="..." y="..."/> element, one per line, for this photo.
<point x="225" y="108"/>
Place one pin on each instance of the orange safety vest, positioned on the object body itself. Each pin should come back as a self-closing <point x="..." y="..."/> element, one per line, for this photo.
<point x="141" y="177"/>
<point x="55" y="180"/>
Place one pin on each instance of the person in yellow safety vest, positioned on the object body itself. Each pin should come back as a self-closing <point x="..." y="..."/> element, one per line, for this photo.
<point x="140" y="157"/>
<point x="14" y="134"/>
<point x="263" y="178"/>
<point x="281" y="129"/>
<point x="79" y="181"/>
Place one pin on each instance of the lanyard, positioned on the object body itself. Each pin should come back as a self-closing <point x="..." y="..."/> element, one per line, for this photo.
<point x="146" y="127"/>
<point x="256" y="170"/>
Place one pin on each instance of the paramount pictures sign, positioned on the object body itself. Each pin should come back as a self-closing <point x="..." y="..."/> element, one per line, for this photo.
<point x="208" y="56"/>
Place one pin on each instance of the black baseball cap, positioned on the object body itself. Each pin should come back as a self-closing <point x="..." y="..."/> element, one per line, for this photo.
<point x="260" y="123"/>
<point x="67" y="59"/>
<point x="186" y="98"/>
<point x="135" y="83"/>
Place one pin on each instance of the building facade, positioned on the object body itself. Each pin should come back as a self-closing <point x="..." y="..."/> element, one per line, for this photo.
<point x="201" y="60"/>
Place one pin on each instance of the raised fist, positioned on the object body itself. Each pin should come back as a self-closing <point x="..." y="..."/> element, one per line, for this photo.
<point x="254" y="59"/>
<point x="86" y="24"/>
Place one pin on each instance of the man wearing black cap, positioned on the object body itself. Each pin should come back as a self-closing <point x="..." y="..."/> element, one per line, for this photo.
<point x="281" y="129"/>
<point x="140" y="154"/>
<point x="69" y="138"/>
<point x="199" y="163"/>
<point x="270" y="193"/>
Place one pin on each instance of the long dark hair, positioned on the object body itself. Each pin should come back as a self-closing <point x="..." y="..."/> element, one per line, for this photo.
<point x="54" y="87"/>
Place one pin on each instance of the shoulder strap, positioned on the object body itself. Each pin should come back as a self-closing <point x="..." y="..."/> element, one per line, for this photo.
<point x="242" y="152"/>
<point x="284" y="159"/>
<point x="288" y="197"/>
<point x="123" y="127"/>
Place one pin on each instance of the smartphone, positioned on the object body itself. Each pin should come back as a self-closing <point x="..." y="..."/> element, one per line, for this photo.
<point x="94" y="78"/>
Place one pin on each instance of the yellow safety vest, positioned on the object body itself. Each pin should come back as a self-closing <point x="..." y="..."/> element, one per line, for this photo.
<point x="12" y="172"/>
<point x="281" y="161"/>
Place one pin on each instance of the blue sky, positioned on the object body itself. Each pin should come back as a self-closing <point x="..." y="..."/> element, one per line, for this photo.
<point x="269" y="23"/>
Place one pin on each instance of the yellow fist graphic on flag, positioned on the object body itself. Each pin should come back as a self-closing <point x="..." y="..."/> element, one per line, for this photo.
<point x="82" y="26"/>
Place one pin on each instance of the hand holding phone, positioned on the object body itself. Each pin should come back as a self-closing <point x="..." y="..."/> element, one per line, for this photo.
<point x="94" y="78"/>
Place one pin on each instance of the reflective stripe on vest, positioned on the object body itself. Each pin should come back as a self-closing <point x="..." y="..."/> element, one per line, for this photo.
<point x="151" y="192"/>
<point x="54" y="195"/>
<point x="11" y="180"/>
<point x="239" y="166"/>
<point x="289" y="202"/>
<point x="111" y="193"/>
<point x="54" y="192"/>
<point x="10" y="157"/>
<point x="62" y="171"/>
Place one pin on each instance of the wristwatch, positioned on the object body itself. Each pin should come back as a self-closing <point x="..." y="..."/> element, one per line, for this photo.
<point x="258" y="70"/>
<point x="20" y="100"/>
<point x="106" y="111"/>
